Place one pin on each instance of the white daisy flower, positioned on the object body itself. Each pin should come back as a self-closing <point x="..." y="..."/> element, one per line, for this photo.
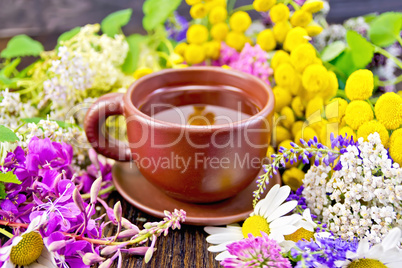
<point x="268" y="217"/>
<point x="387" y="254"/>
<point x="27" y="249"/>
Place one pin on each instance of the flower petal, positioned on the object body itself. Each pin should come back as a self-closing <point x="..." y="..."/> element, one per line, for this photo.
<point x="280" y="197"/>
<point x="224" y="237"/>
<point x="224" y="255"/>
<point x="282" y="210"/>
<point x="267" y="200"/>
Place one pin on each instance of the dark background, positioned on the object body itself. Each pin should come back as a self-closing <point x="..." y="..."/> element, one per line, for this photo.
<point x="52" y="17"/>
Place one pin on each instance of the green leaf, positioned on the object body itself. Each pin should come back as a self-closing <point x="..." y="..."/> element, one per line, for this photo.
<point x="10" y="68"/>
<point x="157" y="11"/>
<point x="36" y="120"/>
<point x="332" y="51"/>
<point x="134" y="41"/>
<point x="9" y="177"/>
<point x="111" y="25"/>
<point x="7" y="135"/>
<point x="22" y="45"/>
<point x="385" y="29"/>
<point x="68" y="35"/>
<point x="345" y="62"/>
<point x="2" y="191"/>
<point x="362" y="50"/>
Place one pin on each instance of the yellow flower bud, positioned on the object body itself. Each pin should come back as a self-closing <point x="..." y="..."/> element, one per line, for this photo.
<point x="306" y="134"/>
<point x="266" y="40"/>
<point x="301" y="18"/>
<point x="281" y="29"/>
<point x="279" y="12"/>
<point x="348" y="132"/>
<point x="240" y="21"/>
<point x="236" y="40"/>
<point x="388" y="110"/>
<point x="197" y="34"/>
<point x="219" y="31"/>
<point x="198" y="11"/>
<point x="371" y="127"/>
<point x="395" y="146"/>
<point x="360" y="85"/>
<point x="295" y="37"/>
<point x="315" y="106"/>
<point x="280" y="135"/>
<point x="297" y="106"/>
<point x="313" y="6"/>
<point x="284" y="75"/>
<point x="289" y="117"/>
<point x="302" y="56"/>
<point x="293" y="178"/>
<point x="357" y="113"/>
<point x="282" y="97"/>
<point x="279" y="57"/>
<point x="313" y="30"/>
<point x="296" y="127"/>
<point x="194" y="54"/>
<point x="263" y="5"/>
<point x="142" y="71"/>
<point x="315" y="78"/>
<point x="212" y="49"/>
<point x="218" y="14"/>
<point x="180" y="48"/>
<point x="193" y="2"/>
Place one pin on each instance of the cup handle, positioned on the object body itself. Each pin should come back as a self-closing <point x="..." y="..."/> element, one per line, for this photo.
<point x="107" y="105"/>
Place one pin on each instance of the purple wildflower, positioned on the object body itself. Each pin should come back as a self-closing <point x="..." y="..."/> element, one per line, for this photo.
<point x="256" y="252"/>
<point x="176" y="27"/>
<point x="301" y="200"/>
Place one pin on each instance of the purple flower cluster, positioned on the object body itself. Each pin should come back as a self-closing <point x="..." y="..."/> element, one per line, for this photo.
<point x="252" y="60"/>
<point x="323" y="251"/>
<point x="50" y="189"/>
<point x="256" y="252"/>
<point x="176" y="27"/>
<point x="301" y="200"/>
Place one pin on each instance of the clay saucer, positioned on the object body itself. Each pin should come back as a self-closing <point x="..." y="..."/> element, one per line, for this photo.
<point x="142" y="194"/>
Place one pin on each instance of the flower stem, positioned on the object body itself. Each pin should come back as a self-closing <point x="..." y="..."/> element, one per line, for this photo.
<point x="390" y="82"/>
<point x="388" y="55"/>
<point x="101" y="192"/>
<point x="231" y="4"/>
<point x="6" y="233"/>
<point x="13" y="224"/>
<point x="398" y="37"/>
<point x="243" y="8"/>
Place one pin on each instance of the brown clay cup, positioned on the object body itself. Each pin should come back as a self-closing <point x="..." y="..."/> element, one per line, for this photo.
<point x="242" y="144"/>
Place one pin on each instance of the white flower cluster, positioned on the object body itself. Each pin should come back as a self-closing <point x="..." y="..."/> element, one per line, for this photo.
<point x="12" y="109"/>
<point x="364" y="198"/>
<point x="70" y="74"/>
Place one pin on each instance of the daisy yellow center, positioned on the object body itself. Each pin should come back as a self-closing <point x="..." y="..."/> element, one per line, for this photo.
<point x="254" y="225"/>
<point x="27" y="250"/>
<point x="299" y="235"/>
<point x="366" y="263"/>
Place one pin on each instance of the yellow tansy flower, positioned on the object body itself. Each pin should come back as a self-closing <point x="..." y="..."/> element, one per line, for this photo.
<point x="297" y="106"/>
<point x="357" y="113"/>
<point x="218" y="14"/>
<point x="263" y="5"/>
<point x="295" y="37"/>
<point x="281" y="134"/>
<point x="293" y="177"/>
<point x="193" y="2"/>
<point x="142" y="71"/>
<point x="313" y="6"/>
<point x="315" y="78"/>
<point x="360" y="85"/>
<point x="313" y="29"/>
<point x="371" y="127"/>
<point x="332" y="88"/>
<point x="266" y="40"/>
<point x="209" y="5"/>
<point x="297" y="126"/>
<point x="348" y="132"/>
<point x="301" y="18"/>
<point x="279" y="12"/>
<point x="240" y="21"/>
<point x="236" y="40"/>
<point x="180" y="48"/>
<point x="212" y="49"/>
<point x="279" y="57"/>
<point x="270" y="151"/>
<point x="335" y="109"/>
<point x="219" y="31"/>
<point x="282" y="97"/>
<point x="306" y="134"/>
<point x="285" y="75"/>
<point x="395" y="146"/>
<point x="388" y="110"/>
<point x="198" y="11"/>
<point x="194" y="54"/>
<point x="302" y="56"/>
<point x="288" y="117"/>
<point x="315" y="106"/>
<point x="281" y="30"/>
<point x="197" y="34"/>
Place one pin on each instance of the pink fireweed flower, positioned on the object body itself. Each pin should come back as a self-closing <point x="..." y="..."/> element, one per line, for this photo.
<point x="256" y="252"/>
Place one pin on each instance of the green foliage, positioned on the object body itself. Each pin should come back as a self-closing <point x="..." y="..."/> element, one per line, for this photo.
<point x="362" y="51"/>
<point x="9" y="177"/>
<point x="22" y="45"/>
<point x="332" y="51"/>
<point x="134" y="41"/>
<point x="2" y="191"/>
<point x="36" y="120"/>
<point x="157" y="11"/>
<point x="68" y="35"/>
<point x="7" y="135"/>
<point x="385" y="29"/>
<point x="111" y="25"/>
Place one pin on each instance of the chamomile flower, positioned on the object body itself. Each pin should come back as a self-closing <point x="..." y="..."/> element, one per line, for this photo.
<point x="268" y="216"/>
<point x="28" y="249"/>
<point x="387" y="254"/>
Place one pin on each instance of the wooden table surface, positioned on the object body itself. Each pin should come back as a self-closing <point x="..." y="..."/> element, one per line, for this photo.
<point x="182" y="248"/>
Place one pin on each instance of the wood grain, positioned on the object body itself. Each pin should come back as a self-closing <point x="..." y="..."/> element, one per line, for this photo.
<point x="184" y="248"/>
